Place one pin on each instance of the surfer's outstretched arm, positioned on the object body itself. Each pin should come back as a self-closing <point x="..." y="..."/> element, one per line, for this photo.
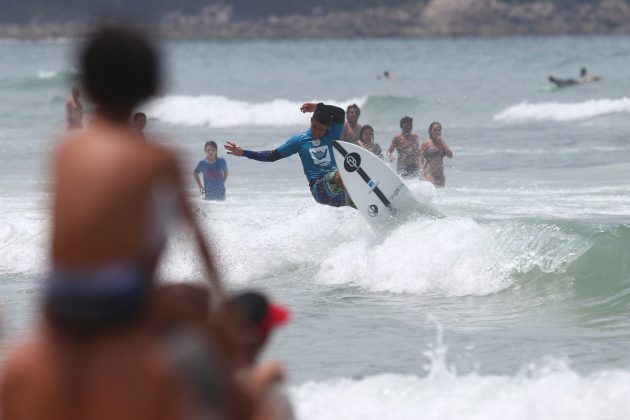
<point x="264" y="156"/>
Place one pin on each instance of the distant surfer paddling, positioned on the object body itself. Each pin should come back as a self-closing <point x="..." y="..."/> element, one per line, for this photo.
<point x="585" y="77"/>
<point x="314" y="146"/>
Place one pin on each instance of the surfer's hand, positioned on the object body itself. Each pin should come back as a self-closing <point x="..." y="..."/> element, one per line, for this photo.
<point x="233" y="149"/>
<point x="308" y="107"/>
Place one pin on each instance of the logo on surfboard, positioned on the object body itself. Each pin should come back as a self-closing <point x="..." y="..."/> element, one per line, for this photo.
<point x="373" y="210"/>
<point x="352" y="162"/>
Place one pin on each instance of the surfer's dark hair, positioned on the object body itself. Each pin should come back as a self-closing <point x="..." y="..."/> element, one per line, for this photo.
<point x="119" y="69"/>
<point x="323" y="117"/>
<point x="212" y="144"/>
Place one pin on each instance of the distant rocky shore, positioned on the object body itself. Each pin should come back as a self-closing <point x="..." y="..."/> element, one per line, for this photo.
<point x="433" y="18"/>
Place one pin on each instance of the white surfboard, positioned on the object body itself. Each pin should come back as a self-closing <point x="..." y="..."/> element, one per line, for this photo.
<point x="377" y="191"/>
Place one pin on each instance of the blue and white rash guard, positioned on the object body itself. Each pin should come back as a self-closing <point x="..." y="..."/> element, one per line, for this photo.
<point x="316" y="154"/>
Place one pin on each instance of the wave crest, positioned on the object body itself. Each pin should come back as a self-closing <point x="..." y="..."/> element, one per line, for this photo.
<point x="556" y="111"/>
<point x="219" y="112"/>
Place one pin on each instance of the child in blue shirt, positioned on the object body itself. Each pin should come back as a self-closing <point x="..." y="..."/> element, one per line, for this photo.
<point x="215" y="172"/>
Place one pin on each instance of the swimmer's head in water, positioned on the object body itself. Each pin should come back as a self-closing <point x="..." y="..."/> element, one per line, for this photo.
<point x="366" y="134"/>
<point x="352" y="113"/>
<point x="406" y="122"/>
<point x="435" y="127"/>
<point x="140" y="120"/>
<point x="119" y="69"/>
<point x="583" y="72"/>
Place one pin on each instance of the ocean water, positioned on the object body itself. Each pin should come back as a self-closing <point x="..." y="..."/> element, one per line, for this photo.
<point x="515" y="305"/>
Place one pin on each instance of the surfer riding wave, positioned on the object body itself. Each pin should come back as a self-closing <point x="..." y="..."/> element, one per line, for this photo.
<point x="314" y="146"/>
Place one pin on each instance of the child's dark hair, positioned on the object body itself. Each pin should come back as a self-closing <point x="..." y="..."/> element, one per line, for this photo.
<point x="119" y="69"/>
<point x="212" y="144"/>
<point x="364" y="129"/>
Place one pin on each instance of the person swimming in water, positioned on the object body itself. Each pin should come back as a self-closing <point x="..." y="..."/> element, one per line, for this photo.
<point x="351" y="128"/>
<point x="407" y="146"/>
<point x="432" y="152"/>
<point x="74" y="109"/>
<point x="366" y="140"/>
<point x="585" y="77"/>
<point x="139" y="122"/>
<point x="314" y="146"/>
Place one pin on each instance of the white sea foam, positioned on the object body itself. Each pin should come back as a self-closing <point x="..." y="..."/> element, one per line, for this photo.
<point x="444" y="257"/>
<point x="219" y="111"/>
<point x="556" y="111"/>
<point x="454" y="256"/>
<point x="552" y="393"/>
<point x="24" y="234"/>
<point x="47" y="74"/>
<point x="449" y="257"/>
<point x="549" y="389"/>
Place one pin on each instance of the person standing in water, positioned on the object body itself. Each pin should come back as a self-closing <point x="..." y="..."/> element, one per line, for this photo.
<point x="74" y="109"/>
<point x="314" y="146"/>
<point x="139" y="122"/>
<point x="215" y="173"/>
<point x="351" y="128"/>
<point x="432" y="154"/>
<point x="366" y="140"/>
<point x="407" y="146"/>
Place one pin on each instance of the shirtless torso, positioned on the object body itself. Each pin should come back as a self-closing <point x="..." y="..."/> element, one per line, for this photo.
<point x="407" y="146"/>
<point x="351" y="132"/>
<point x="104" y="179"/>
